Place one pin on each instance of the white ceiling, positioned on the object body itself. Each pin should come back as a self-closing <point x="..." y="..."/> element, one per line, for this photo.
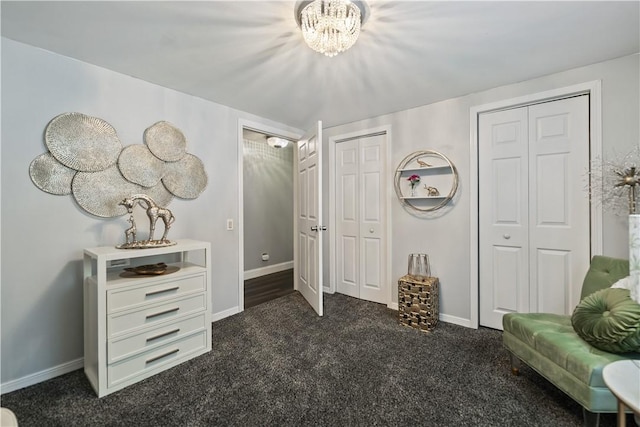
<point x="251" y="56"/>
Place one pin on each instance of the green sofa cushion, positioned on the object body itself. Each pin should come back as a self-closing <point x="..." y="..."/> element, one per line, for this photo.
<point x="603" y="272"/>
<point x="609" y="320"/>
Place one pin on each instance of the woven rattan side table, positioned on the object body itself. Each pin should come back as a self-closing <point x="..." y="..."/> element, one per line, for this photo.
<point x="418" y="305"/>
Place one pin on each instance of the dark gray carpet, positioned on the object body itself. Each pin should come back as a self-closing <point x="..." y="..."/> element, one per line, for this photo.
<point x="278" y="364"/>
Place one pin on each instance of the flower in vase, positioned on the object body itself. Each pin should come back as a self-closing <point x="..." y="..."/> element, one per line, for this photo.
<point x="414" y="180"/>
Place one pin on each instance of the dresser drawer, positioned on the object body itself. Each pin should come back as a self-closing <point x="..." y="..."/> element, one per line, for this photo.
<point x="169" y="354"/>
<point x="130" y="297"/>
<point x="122" y="348"/>
<point x="131" y="320"/>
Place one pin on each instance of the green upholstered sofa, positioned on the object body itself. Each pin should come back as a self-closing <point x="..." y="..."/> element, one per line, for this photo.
<point x="548" y="344"/>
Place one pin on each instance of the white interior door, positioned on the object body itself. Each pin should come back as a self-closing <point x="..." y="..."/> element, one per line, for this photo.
<point x="559" y="204"/>
<point x="347" y="222"/>
<point x="504" y="246"/>
<point x="534" y="212"/>
<point x="308" y="243"/>
<point x="361" y="218"/>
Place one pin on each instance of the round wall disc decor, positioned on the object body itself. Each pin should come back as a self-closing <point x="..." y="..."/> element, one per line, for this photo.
<point x="159" y="194"/>
<point x="87" y="160"/>
<point x="50" y="175"/>
<point x="185" y="178"/>
<point x="166" y="141"/>
<point x="100" y="192"/>
<point x="82" y="142"/>
<point x="139" y="165"/>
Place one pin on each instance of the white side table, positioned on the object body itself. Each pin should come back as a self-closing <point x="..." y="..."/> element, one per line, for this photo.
<point x="623" y="379"/>
<point x="8" y="418"/>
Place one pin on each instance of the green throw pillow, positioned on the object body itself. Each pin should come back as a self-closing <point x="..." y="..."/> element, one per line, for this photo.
<point x="609" y="320"/>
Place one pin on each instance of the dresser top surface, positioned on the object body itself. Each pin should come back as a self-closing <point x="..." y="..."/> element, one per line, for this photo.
<point x="111" y="252"/>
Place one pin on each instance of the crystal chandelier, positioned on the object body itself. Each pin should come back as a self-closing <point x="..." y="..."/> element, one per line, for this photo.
<point x="330" y="26"/>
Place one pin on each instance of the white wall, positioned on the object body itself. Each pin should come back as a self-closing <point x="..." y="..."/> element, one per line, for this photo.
<point x="43" y="235"/>
<point x="444" y="126"/>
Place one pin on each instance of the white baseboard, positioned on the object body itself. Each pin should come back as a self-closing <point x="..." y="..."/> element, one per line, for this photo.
<point x="270" y="269"/>
<point x="226" y="313"/>
<point x="455" y="320"/>
<point x="41" y="376"/>
<point x="393" y="306"/>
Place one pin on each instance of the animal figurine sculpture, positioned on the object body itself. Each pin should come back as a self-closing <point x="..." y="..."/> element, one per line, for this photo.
<point x="131" y="231"/>
<point x="423" y="164"/>
<point x="154" y="212"/>
<point x="431" y="191"/>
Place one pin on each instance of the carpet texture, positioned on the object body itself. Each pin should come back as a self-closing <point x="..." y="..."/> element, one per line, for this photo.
<point x="278" y="364"/>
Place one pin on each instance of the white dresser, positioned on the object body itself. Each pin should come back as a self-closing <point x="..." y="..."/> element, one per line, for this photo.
<point x="136" y="326"/>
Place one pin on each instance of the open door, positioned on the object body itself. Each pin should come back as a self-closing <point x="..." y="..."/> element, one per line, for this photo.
<point x="308" y="243"/>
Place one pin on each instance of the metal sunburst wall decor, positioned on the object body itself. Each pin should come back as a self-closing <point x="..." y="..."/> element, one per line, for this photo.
<point x="87" y="160"/>
<point x="620" y="178"/>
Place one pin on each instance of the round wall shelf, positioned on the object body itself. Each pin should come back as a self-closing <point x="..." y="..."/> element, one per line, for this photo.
<point x="437" y="181"/>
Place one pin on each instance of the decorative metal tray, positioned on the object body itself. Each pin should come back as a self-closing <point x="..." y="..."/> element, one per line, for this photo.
<point x="149" y="270"/>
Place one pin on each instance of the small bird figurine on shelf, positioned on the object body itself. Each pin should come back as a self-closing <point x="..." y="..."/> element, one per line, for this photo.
<point x="423" y="164"/>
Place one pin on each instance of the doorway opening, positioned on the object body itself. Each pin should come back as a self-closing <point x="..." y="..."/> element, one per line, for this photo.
<point x="266" y="220"/>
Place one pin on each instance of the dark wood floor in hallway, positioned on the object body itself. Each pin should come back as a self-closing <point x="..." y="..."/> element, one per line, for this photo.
<point x="265" y="288"/>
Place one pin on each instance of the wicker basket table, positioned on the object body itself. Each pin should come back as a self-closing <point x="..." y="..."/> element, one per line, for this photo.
<point x="418" y="305"/>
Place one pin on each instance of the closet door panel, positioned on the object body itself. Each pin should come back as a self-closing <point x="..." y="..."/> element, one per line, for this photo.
<point x="347" y="219"/>
<point x="503" y="215"/>
<point x="559" y="205"/>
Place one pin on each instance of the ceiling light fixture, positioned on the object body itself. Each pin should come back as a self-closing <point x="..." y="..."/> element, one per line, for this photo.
<point x="330" y="26"/>
<point x="276" y="142"/>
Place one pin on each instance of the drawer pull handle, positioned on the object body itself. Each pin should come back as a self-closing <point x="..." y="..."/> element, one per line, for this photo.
<point x="171" y="310"/>
<point x="163" y="335"/>
<point x="169" y="353"/>
<point x="148" y="294"/>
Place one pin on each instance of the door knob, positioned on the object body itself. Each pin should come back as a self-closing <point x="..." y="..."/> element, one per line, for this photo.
<point x="506" y="236"/>
<point x="371" y="230"/>
<point x="314" y="228"/>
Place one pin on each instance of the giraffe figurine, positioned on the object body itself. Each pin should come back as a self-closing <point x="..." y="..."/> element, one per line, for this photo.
<point x="131" y="231"/>
<point x="154" y="212"/>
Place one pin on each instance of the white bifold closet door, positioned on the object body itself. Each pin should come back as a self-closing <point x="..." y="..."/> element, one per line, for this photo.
<point x="361" y="256"/>
<point x="533" y="208"/>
